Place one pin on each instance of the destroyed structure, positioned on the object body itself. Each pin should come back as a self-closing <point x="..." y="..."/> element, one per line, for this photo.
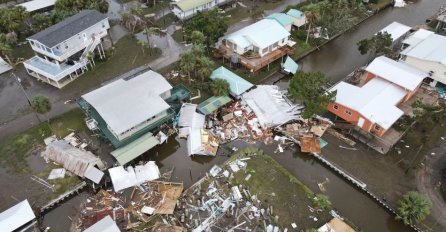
<point x="77" y="161"/>
<point x="123" y="179"/>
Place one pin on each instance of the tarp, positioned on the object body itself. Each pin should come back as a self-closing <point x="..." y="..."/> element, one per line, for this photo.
<point x="134" y="149"/>
<point x="106" y="224"/>
<point x="16" y="216"/>
<point x="212" y="104"/>
<point x="290" y="66"/>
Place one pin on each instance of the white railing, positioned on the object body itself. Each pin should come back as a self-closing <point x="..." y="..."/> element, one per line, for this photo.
<point x="60" y="75"/>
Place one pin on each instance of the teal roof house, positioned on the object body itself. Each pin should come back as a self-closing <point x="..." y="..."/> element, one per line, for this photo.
<point x="298" y="17"/>
<point x="237" y="85"/>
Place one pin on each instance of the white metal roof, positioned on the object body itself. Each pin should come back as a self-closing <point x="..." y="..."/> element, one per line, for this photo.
<point x="396" y="30"/>
<point x="37" y="4"/>
<point x="94" y="174"/>
<point x="417" y="37"/>
<point x="147" y="172"/>
<point x="261" y="34"/>
<point x="396" y="72"/>
<point x="4" y="66"/>
<point x="376" y="100"/>
<point x="122" y="178"/>
<point x="128" y="102"/>
<point x="16" y="216"/>
<point x="271" y="106"/>
<point x="106" y="224"/>
<point x="431" y="48"/>
<point x="189" y="117"/>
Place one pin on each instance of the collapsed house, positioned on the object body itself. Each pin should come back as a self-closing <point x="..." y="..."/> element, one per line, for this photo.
<point x="271" y="106"/>
<point x="123" y="179"/>
<point x="79" y="162"/>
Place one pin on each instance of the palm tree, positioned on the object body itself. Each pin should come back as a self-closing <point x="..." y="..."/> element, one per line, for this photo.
<point x="149" y="31"/>
<point x="5" y="48"/>
<point x="220" y="87"/>
<point x="311" y="18"/>
<point x="205" y="67"/>
<point x="413" y="208"/>
<point x="143" y="45"/>
<point x="187" y="64"/>
<point x="197" y="37"/>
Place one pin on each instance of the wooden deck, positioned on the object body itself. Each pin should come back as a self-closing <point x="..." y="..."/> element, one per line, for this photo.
<point x="253" y="64"/>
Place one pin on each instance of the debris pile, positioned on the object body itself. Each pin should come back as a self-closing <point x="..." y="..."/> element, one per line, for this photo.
<point x="132" y="207"/>
<point x="214" y="204"/>
<point x="238" y="121"/>
<point x="307" y="133"/>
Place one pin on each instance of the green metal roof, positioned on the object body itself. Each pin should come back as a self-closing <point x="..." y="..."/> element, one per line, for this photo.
<point x="281" y="18"/>
<point x="134" y="149"/>
<point x="237" y="85"/>
<point x="290" y="65"/>
<point x="213" y="103"/>
<point x="295" y="13"/>
<point x="186" y="5"/>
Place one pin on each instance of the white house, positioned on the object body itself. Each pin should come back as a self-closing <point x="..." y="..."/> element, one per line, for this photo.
<point x="397" y="31"/>
<point x="185" y="9"/>
<point x="426" y="51"/>
<point x="261" y="38"/>
<point x="62" y="50"/>
<point x="298" y="17"/>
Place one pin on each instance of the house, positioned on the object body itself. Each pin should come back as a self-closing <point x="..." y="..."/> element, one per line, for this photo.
<point x="271" y="106"/>
<point x="130" y="107"/>
<point x="63" y="50"/>
<point x="237" y="85"/>
<point x="373" y="106"/>
<point x="16" y="217"/>
<point x="426" y="51"/>
<point x="185" y="9"/>
<point x="257" y="45"/>
<point x="35" y="6"/>
<point x="298" y="17"/>
<point x="397" y="31"/>
<point x="285" y="20"/>
<point x="105" y="224"/>
<point x="79" y="162"/>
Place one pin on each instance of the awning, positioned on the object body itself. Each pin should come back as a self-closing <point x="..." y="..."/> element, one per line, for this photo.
<point x="212" y="104"/>
<point x="290" y="65"/>
<point x="134" y="149"/>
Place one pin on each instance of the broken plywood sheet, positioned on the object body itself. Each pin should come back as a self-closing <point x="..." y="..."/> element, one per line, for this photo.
<point x="170" y="193"/>
<point x="310" y="144"/>
<point x="319" y="130"/>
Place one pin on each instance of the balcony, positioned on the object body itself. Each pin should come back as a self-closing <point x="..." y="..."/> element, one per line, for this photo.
<point x="50" y="72"/>
<point x="256" y="63"/>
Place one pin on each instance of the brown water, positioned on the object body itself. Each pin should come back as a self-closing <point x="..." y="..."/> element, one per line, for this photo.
<point x="336" y="59"/>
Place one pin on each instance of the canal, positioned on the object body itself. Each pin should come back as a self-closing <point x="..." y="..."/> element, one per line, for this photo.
<point x="336" y="59"/>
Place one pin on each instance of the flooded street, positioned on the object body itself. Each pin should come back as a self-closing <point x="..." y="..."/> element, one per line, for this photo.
<point x="336" y="59"/>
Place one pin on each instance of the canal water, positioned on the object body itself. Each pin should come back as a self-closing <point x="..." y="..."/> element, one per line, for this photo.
<point x="336" y="59"/>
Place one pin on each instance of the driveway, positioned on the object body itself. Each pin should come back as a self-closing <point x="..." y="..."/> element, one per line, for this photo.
<point x="428" y="180"/>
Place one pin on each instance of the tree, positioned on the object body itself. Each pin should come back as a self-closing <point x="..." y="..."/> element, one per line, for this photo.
<point x="379" y="44"/>
<point x="5" y="48"/>
<point x="220" y="87"/>
<point x="413" y="208"/>
<point x="143" y="45"/>
<point x="197" y="37"/>
<point x="149" y="31"/>
<point x="209" y="23"/>
<point x="40" y="21"/>
<point x="78" y="5"/>
<point x="321" y="201"/>
<point x="11" y="19"/>
<point x="205" y="67"/>
<point x="311" y="18"/>
<point x="186" y="64"/>
<point x="41" y="104"/>
<point x="309" y="88"/>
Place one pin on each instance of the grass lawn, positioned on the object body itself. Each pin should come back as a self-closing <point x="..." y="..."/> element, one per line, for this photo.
<point x="236" y="14"/>
<point x="23" y="51"/>
<point x="13" y="151"/>
<point x="166" y="20"/>
<point x="275" y="186"/>
<point x="126" y="56"/>
<point x="60" y="185"/>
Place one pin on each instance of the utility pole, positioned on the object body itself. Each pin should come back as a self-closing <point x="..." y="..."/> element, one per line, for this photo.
<point x="19" y="81"/>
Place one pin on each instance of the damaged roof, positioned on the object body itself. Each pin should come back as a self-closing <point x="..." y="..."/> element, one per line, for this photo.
<point x="212" y="104"/>
<point x="71" y="158"/>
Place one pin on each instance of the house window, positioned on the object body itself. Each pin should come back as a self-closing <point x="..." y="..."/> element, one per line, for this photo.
<point x="348" y="112"/>
<point x="336" y="107"/>
<point x="276" y="44"/>
<point x="283" y="40"/>
<point x="265" y="50"/>
<point x="103" y="25"/>
<point x="377" y="128"/>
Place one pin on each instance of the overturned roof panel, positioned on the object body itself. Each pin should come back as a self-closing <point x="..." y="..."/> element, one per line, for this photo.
<point x="71" y="158"/>
<point x="16" y="216"/>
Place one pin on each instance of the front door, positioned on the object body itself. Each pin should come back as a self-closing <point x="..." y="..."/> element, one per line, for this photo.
<point x="360" y="122"/>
